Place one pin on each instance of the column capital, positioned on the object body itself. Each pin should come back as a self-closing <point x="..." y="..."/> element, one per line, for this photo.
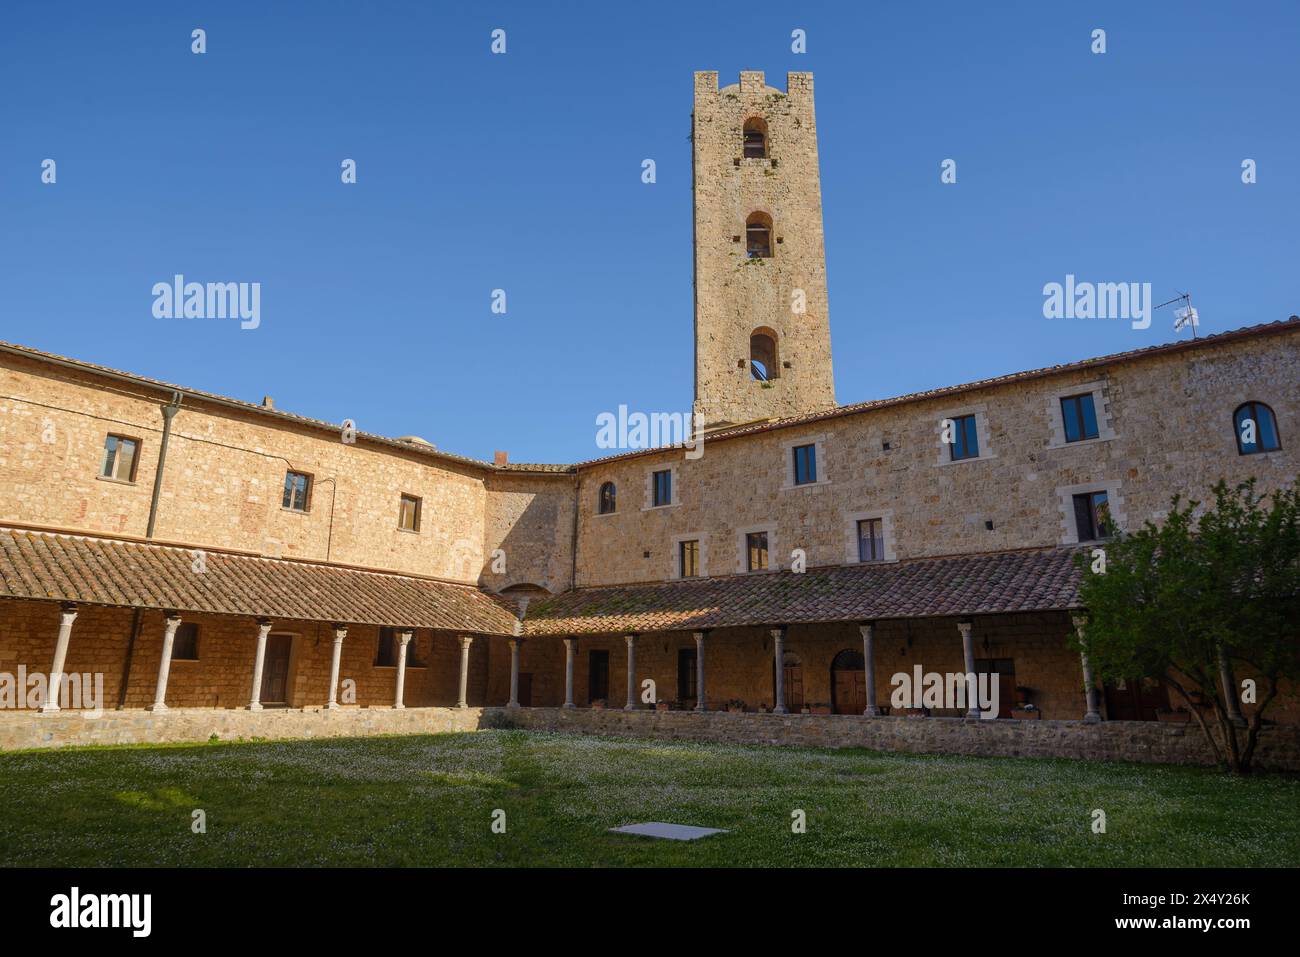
<point x="867" y="628"/>
<point x="68" y="610"/>
<point x="700" y="636"/>
<point x="630" y="639"/>
<point x="264" y="624"/>
<point x="778" y="633"/>
<point x="340" y="631"/>
<point x="173" y="620"/>
<point x="964" y="626"/>
<point x="570" y="642"/>
<point x="404" y="636"/>
<point x="466" y="641"/>
<point x="1080" y="619"/>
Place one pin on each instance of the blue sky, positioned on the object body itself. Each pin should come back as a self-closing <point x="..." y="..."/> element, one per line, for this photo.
<point x="522" y="172"/>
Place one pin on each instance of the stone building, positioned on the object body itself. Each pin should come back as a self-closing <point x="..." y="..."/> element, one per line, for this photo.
<point x="194" y="551"/>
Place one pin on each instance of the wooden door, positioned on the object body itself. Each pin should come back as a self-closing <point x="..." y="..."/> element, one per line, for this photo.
<point x="850" y="692"/>
<point x="275" y="669"/>
<point x="793" y="687"/>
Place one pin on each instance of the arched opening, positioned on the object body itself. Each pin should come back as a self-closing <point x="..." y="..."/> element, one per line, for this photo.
<point x="758" y="236"/>
<point x="763" y="364"/>
<point x="755" y="138"/>
<point x="849" y="682"/>
<point x="1256" y="428"/>
<point x="607" y="501"/>
<point x="793" y="675"/>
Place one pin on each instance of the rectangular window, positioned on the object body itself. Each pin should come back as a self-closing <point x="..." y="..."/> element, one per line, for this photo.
<point x="1079" y="416"/>
<point x="965" y="438"/>
<point x="688" y="554"/>
<point x="686" y="674"/>
<point x="386" y="654"/>
<point x="1092" y="516"/>
<point x="185" y="645"/>
<point x="408" y="514"/>
<point x="663" y="487"/>
<point x="297" y="491"/>
<point x="756" y="551"/>
<point x="805" y="464"/>
<point x="120" y="454"/>
<point x="871" y="540"/>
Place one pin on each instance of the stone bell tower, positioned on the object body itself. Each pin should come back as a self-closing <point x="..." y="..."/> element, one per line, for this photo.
<point x="762" y="334"/>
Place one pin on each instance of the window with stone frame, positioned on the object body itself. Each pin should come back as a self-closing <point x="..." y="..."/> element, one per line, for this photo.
<point x="121" y="455"/>
<point x="408" y="513"/>
<point x="185" y="643"/>
<point x="1092" y="519"/>
<point x="756" y="551"/>
<point x="297" y="491"/>
<point x="607" y="500"/>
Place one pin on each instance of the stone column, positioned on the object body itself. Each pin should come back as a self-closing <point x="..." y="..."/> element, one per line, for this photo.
<point x="340" y="632"/>
<point x="255" y="699"/>
<point x="1230" y="700"/>
<point x="51" y="703"/>
<point x="778" y="650"/>
<point x="403" y="639"/>
<point x="968" y="653"/>
<point x="631" y="672"/>
<point x="463" y="700"/>
<point x="869" y="664"/>
<point x="165" y="665"/>
<point x="570" y="648"/>
<point x="514" y="673"/>
<point x="699" y="671"/>
<point x="1093" y="714"/>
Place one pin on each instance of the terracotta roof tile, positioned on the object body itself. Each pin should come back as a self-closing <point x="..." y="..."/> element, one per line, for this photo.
<point x="1015" y="581"/>
<point x="100" y="571"/>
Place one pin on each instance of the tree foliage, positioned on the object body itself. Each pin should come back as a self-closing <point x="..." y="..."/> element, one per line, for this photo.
<point x="1203" y="595"/>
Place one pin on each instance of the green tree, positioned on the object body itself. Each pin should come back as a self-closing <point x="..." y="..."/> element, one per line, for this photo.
<point x="1203" y="593"/>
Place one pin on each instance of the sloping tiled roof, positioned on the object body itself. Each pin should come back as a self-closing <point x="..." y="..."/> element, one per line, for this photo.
<point x="1291" y="325"/>
<point x="102" y="571"/>
<point x="1014" y="581"/>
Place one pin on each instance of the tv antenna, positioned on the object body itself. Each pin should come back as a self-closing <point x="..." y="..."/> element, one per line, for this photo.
<point x="1186" y="316"/>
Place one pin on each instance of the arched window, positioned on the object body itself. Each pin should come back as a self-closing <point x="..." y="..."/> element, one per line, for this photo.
<point x="755" y="138"/>
<point x="763" y="364"/>
<point x="607" y="498"/>
<point x="1256" y="429"/>
<point x="758" y="236"/>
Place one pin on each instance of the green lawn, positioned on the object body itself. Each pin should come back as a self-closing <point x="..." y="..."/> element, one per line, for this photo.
<point x="429" y="800"/>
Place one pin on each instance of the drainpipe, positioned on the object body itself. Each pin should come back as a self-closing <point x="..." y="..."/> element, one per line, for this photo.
<point x="573" y="541"/>
<point x="168" y="412"/>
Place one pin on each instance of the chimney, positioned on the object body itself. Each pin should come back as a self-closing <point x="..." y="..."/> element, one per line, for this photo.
<point x="268" y="402"/>
<point x="500" y="458"/>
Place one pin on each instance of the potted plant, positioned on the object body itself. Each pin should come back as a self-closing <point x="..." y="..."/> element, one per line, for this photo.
<point x="598" y="704"/>
<point x="735" y="705"/>
<point x="820" y="707"/>
<point x="1022" y="696"/>
<point x="664" y="705"/>
<point x="1026" y="712"/>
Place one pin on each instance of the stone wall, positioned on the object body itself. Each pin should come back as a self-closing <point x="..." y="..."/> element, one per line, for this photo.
<point x="1166" y="427"/>
<point x="1150" y="742"/>
<point x="18" y="731"/>
<point x="224" y="479"/>
<point x="1145" y="742"/>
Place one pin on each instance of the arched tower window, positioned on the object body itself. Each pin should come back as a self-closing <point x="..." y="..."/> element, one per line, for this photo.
<point x="606" y="501"/>
<point x="755" y="138"/>
<point x="758" y="236"/>
<point x="763" y="363"/>
<point x="1256" y="428"/>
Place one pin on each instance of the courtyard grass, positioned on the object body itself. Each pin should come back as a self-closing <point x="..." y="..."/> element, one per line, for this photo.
<point x="429" y="800"/>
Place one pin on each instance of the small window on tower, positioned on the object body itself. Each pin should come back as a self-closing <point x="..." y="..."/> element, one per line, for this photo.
<point x="755" y="138"/>
<point x="758" y="237"/>
<point x="763" y="364"/>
